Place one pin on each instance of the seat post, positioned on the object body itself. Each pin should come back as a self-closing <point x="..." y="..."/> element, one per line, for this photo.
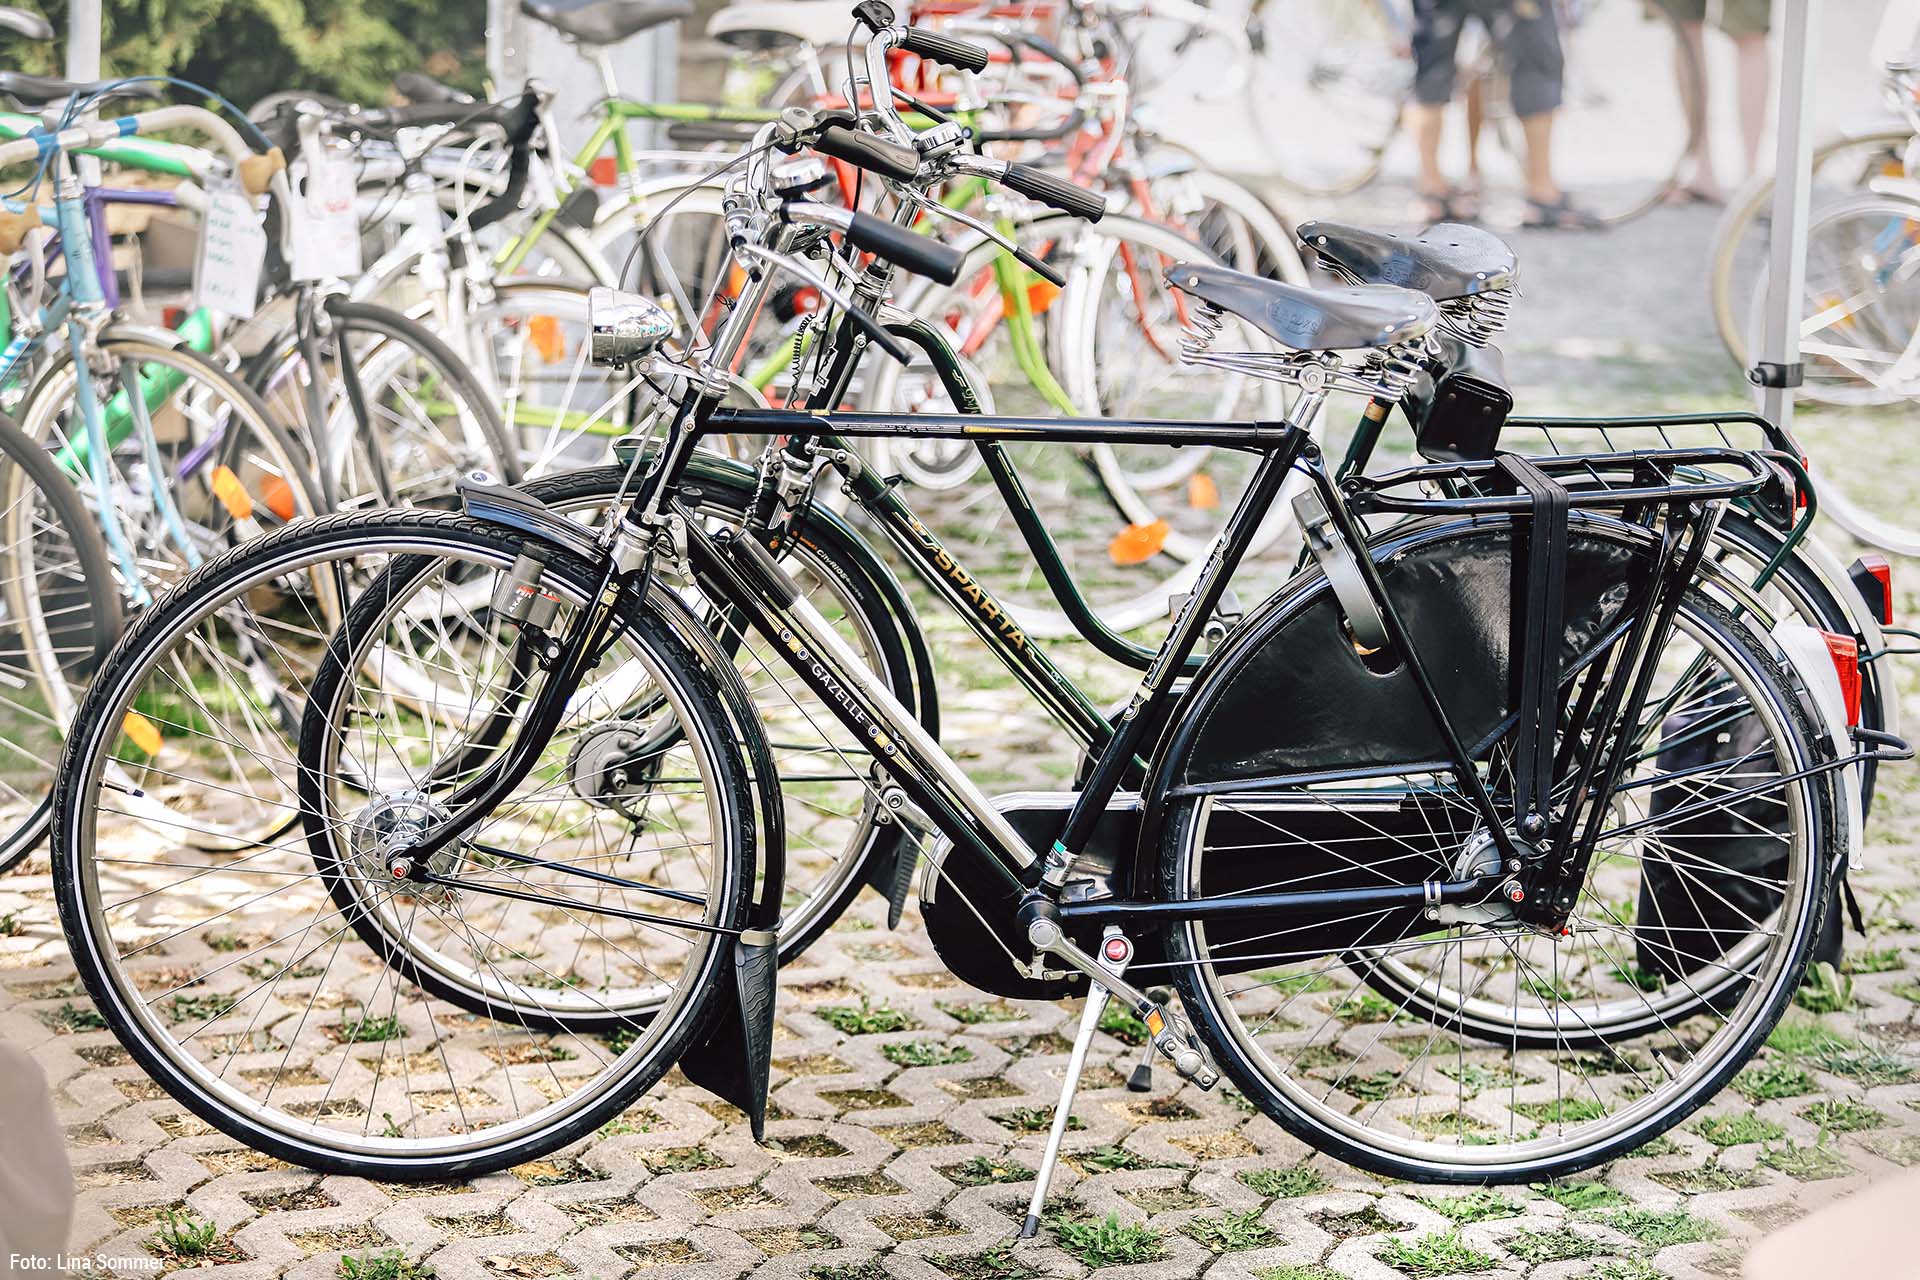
<point x="603" y="62"/>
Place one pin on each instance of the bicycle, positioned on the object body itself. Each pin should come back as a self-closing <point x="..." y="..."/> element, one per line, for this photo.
<point x="1510" y="787"/>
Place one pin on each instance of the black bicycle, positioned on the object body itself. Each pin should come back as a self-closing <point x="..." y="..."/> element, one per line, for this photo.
<point x="1389" y="848"/>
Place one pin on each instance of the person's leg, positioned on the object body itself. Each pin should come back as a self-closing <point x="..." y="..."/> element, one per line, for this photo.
<point x="1702" y="180"/>
<point x="1691" y="15"/>
<point x="1434" y="38"/>
<point x="1756" y="82"/>
<point x="1529" y="39"/>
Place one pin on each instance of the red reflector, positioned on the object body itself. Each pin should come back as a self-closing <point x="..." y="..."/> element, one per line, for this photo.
<point x="1799" y="494"/>
<point x="1845" y="652"/>
<point x="1873" y="578"/>
<point x="605" y="171"/>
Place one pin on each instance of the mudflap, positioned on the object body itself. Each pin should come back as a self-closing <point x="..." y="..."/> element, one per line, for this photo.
<point x="889" y="870"/>
<point x="735" y="1058"/>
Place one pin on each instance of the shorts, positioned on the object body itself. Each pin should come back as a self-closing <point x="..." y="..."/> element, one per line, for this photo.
<point x="1523" y="30"/>
<point x="1735" y="17"/>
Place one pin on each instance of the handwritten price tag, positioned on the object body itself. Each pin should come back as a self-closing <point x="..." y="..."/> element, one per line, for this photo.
<point x="226" y="272"/>
<point x="326" y="229"/>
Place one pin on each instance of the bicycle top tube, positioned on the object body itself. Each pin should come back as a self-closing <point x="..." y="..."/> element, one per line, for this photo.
<point x="148" y="155"/>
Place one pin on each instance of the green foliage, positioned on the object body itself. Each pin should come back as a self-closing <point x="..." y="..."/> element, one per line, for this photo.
<point x="1555" y="1245"/>
<point x="980" y="1171"/>
<point x="1882" y="960"/>
<point x="1767" y="1080"/>
<point x="1842" y="1115"/>
<point x="184" y="1236"/>
<point x="388" y="1264"/>
<point x="1282" y="1184"/>
<point x="1119" y="1022"/>
<point x="1479" y="1205"/>
<point x="1294" y="1271"/>
<point x="868" y="1019"/>
<point x="1627" y="1269"/>
<point x="1809" y="1162"/>
<point x="1035" y="1120"/>
<point x="1658" y="1228"/>
<point x="1741" y="1127"/>
<point x="997" y="1263"/>
<point x="1109" y="1242"/>
<point x="246" y="49"/>
<point x="1581" y="1195"/>
<point x="924" y="1053"/>
<point x="1436" y="1254"/>
<point x="985" y="1011"/>
<point x="1231" y="1232"/>
<point x="1826" y="990"/>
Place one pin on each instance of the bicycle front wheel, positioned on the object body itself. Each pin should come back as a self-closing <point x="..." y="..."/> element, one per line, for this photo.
<point x="256" y="990"/>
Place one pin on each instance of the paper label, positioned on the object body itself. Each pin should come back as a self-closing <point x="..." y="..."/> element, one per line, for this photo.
<point x="325" y="226"/>
<point x="233" y="246"/>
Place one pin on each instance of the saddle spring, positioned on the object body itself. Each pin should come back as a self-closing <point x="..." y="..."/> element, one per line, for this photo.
<point x="1385" y="372"/>
<point x="1477" y="319"/>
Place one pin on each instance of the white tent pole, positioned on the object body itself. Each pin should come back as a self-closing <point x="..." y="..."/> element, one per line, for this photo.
<point x="506" y="46"/>
<point x="83" y="40"/>
<point x="1777" y="368"/>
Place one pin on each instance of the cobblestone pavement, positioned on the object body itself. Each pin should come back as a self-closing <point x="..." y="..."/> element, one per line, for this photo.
<point x="875" y="1168"/>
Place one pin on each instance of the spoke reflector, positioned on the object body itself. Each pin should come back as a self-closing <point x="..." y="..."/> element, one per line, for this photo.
<point x="1202" y="493"/>
<point x="278" y="495"/>
<point x="1138" y="543"/>
<point x="144" y="733"/>
<point x="232" y="494"/>
<point x="547" y="338"/>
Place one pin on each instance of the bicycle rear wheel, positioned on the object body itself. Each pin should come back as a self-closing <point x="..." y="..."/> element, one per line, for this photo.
<point x="254" y="988"/>
<point x="1458" y="1045"/>
<point x="59" y="614"/>
<point x="403" y="418"/>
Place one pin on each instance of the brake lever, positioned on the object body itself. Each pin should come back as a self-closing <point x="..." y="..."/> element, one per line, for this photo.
<point x="1039" y="266"/>
<point x="794" y="266"/>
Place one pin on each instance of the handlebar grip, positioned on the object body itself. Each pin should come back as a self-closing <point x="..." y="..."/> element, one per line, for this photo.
<point x="934" y="47"/>
<point x="866" y="151"/>
<point x="1036" y="184"/>
<point x="422" y="89"/>
<point x="907" y="249"/>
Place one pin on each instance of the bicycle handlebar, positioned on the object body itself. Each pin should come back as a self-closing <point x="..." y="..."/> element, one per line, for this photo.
<point x="947" y="50"/>
<point x="883" y="156"/>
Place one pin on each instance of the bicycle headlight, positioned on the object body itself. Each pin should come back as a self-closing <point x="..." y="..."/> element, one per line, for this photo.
<point x="626" y="327"/>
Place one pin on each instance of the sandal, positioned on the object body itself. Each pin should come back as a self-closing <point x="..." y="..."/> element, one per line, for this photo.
<point x="1436" y="207"/>
<point x="1559" y="215"/>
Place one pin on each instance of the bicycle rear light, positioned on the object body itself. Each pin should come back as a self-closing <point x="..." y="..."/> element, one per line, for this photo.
<point x="1845" y="652"/>
<point x="1872" y="577"/>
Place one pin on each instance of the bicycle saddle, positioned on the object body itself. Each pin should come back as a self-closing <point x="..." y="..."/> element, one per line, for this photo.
<point x="1446" y="261"/>
<point x="38" y="91"/>
<point x="604" y="21"/>
<point x="1343" y="319"/>
<point x="22" y="23"/>
<point x="768" y="24"/>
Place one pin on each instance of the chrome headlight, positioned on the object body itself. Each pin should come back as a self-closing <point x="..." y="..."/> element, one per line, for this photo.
<point x="626" y="327"/>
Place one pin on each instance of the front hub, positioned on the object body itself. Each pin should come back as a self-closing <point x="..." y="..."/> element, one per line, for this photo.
<point x="384" y="831"/>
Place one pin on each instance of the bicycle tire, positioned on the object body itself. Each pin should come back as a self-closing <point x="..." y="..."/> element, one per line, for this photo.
<point x="862" y="584"/>
<point x="377" y="334"/>
<point x="1744" y="208"/>
<point x="1377" y="1128"/>
<point x="56" y="658"/>
<point x="283" y="1131"/>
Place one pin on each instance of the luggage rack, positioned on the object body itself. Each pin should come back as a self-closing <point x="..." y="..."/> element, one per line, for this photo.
<point x="1638" y="478"/>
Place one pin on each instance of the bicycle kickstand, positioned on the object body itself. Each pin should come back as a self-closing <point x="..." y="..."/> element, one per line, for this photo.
<point x="1115" y="952"/>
